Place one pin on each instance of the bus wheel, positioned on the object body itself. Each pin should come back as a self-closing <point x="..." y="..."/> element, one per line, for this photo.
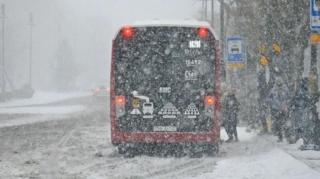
<point x="212" y="149"/>
<point x="121" y="150"/>
<point x="195" y="151"/>
<point x="126" y="151"/>
<point x="129" y="153"/>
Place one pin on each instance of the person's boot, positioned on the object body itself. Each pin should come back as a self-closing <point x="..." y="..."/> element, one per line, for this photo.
<point x="229" y="140"/>
<point x="237" y="139"/>
<point x="280" y="140"/>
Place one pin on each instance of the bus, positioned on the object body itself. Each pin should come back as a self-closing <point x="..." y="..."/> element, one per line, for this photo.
<point x="165" y="88"/>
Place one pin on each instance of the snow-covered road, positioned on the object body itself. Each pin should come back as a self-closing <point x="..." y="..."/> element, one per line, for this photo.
<point x="78" y="146"/>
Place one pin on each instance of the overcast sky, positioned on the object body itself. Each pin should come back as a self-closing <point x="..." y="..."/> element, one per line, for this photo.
<point x="88" y="26"/>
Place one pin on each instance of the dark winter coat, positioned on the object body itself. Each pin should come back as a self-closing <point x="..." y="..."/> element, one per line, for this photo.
<point x="232" y="108"/>
<point x="278" y="97"/>
<point x="300" y="99"/>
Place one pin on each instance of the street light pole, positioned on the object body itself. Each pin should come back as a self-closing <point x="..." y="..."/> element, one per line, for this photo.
<point x="2" y="70"/>
<point x="212" y="13"/>
<point x="31" y="23"/>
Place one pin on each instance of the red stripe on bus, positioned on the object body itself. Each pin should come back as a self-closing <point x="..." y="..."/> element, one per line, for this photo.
<point x="217" y="112"/>
<point x="112" y="92"/>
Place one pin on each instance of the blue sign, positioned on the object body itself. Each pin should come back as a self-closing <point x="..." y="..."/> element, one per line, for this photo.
<point x="315" y="14"/>
<point x="234" y="49"/>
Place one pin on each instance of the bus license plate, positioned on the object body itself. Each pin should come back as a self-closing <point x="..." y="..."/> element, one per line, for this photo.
<point x="164" y="128"/>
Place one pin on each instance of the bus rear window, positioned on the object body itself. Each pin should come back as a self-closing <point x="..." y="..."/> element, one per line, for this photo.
<point x="175" y="57"/>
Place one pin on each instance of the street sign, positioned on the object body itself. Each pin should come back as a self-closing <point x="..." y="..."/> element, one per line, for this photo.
<point x="264" y="60"/>
<point x="235" y="65"/>
<point x="315" y="39"/>
<point x="315" y="14"/>
<point x="277" y="48"/>
<point x="234" y="49"/>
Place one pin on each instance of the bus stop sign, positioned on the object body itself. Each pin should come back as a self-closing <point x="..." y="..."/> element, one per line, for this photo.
<point x="234" y="49"/>
<point x="315" y="14"/>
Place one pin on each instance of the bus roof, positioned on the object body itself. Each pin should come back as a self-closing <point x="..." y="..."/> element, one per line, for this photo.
<point x="180" y="23"/>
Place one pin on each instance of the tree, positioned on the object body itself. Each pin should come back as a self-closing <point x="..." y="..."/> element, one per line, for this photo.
<point x="268" y="22"/>
<point x="66" y="69"/>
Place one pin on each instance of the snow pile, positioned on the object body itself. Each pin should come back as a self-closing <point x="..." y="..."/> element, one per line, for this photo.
<point x="41" y="97"/>
<point x="43" y="110"/>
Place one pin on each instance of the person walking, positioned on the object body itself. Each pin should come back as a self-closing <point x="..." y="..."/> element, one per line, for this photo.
<point x="262" y="104"/>
<point x="299" y="106"/>
<point x="278" y="99"/>
<point x="224" y="92"/>
<point x="232" y="108"/>
<point x="310" y="140"/>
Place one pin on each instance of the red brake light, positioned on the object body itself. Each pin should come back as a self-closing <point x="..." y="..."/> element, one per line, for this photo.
<point x="120" y="100"/>
<point x="203" y="32"/>
<point x="127" y="32"/>
<point x="209" y="100"/>
<point x="96" y="91"/>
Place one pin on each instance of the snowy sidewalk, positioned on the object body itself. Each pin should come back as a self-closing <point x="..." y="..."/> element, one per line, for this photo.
<point x="262" y="157"/>
<point x="309" y="157"/>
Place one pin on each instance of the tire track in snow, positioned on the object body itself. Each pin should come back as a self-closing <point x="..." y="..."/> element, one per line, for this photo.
<point x="187" y="169"/>
<point x="53" y="166"/>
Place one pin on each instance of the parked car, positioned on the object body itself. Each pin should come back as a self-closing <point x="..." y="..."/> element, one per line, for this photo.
<point x="101" y="92"/>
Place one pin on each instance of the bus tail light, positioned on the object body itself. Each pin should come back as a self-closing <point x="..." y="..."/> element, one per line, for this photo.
<point x="127" y="32"/>
<point x="120" y="106"/>
<point x="209" y="106"/>
<point x="120" y="100"/>
<point x="209" y="100"/>
<point x="203" y="32"/>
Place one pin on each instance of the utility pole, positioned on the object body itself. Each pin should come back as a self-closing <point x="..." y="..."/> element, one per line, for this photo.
<point x="212" y="13"/>
<point x="202" y="15"/>
<point x="222" y="40"/>
<point x="205" y="10"/>
<point x="31" y="23"/>
<point x="2" y="70"/>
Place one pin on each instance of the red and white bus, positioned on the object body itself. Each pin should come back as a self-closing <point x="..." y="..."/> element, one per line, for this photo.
<point x="165" y="87"/>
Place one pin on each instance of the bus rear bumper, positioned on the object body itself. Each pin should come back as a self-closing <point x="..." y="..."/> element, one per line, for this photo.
<point x="120" y="137"/>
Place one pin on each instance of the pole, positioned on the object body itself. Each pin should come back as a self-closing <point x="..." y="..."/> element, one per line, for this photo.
<point x="30" y="55"/>
<point x="3" y="89"/>
<point x="246" y="91"/>
<point x="212" y="13"/>
<point x="202" y="15"/>
<point x="222" y="40"/>
<point x="3" y="73"/>
<point x="205" y="10"/>
<point x="30" y="70"/>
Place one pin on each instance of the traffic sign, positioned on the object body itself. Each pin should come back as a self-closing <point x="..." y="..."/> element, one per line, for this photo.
<point x="235" y="65"/>
<point x="277" y="48"/>
<point x="235" y="49"/>
<point x="315" y="39"/>
<point x="315" y="14"/>
<point x="264" y="60"/>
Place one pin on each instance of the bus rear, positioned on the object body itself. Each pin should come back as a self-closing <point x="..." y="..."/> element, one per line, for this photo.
<point x="165" y="83"/>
